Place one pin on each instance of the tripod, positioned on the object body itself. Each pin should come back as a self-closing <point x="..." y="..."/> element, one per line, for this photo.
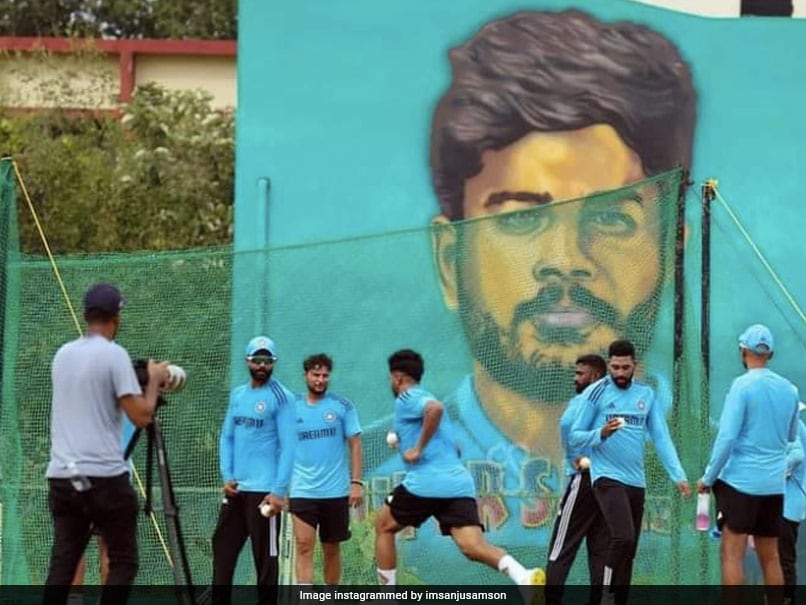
<point x="183" y="581"/>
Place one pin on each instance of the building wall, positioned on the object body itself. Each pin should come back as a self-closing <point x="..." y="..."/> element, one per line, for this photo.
<point x="214" y="74"/>
<point x="715" y="8"/>
<point x="100" y="74"/>
<point x="33" y="80"/>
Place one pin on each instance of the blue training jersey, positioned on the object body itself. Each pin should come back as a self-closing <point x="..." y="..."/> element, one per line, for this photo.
<point x="621" y="456"/>
<point x="257" y="442"/>
<point x="566" y="422"/>
<point x="759" y="418"/>
<point x="439" y="473"/>
<point x="795" y="495"/>
<point x="517" y="493"/>
<point x="321" y="468"/>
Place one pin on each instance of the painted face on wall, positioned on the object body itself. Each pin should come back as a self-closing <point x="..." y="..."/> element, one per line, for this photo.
<point x="538" y="281"/>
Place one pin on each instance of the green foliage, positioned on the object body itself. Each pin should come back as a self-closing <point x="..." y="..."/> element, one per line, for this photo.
<point x="155" y="174"/>
<point x="202" y="19"/>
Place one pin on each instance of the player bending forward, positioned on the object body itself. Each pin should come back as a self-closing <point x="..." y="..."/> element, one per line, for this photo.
<point x="436" y="483"/>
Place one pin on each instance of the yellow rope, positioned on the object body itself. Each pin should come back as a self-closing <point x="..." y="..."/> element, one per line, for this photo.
<point x="59" y="279"/>
<point x="47" y="246"/>
<point x="760" y="255"/>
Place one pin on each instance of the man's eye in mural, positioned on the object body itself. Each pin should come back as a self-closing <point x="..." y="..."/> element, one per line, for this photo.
<point x="608" y="221"/>
<point x="522" y="222"/>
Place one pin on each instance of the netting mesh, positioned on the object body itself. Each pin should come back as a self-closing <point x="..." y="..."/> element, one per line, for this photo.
<point x="500" y="307"/>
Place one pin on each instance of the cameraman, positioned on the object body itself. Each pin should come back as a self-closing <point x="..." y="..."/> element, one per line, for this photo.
<point x="94" y="384"/>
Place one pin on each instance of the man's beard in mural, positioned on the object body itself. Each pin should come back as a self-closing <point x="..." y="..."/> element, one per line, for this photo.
<point x="539" y="377"/>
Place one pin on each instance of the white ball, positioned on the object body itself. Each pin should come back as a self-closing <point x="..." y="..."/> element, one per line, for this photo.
<point x="266" y="509"/>
<point x="392" y="440"/>
<point x="621" y="422"/>
<point x="584" y="463"/>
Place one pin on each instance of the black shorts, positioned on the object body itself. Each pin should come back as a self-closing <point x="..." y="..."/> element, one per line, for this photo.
<point x="411" y="510"/>
<point x="746" y="513"/>
<point x="330" y="515"/>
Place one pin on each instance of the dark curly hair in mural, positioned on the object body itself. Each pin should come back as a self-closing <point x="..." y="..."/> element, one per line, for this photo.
<point x="558" y="71"/>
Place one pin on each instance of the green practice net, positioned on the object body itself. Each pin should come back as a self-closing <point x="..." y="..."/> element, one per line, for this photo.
<point x="499" y="307"/>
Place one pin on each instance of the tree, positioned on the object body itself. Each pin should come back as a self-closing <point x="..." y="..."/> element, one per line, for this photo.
<point x="176" y="19"/>
<point x="156" y="174"/>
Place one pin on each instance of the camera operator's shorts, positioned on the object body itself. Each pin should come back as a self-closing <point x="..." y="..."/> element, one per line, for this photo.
<point x="330" y="515"/>
<point x="411" y="510"/>
<point x="747" y="513"/>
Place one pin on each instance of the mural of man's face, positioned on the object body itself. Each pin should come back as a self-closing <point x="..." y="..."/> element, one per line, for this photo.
<point x="537" y="288"/>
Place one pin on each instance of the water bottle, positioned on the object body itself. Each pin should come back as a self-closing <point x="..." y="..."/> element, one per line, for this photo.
<point x="79" y="482"/>
<point x="703" y="517"/>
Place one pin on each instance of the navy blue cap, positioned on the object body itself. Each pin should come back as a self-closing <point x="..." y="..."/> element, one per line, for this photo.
<point x="104" y="297"/>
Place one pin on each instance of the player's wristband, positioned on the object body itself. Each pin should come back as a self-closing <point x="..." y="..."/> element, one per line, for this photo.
<point x="357" y="482"/>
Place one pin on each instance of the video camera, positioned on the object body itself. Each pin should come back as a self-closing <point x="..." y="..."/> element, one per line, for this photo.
<point x="176" y="378"/>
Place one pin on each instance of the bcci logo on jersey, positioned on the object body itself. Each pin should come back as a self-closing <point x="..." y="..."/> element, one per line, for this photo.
<point x="260" y="407"/>
<point x="330" y="416"/>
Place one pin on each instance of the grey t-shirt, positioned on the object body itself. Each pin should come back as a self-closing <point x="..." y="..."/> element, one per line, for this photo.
<point x="89" y="375"/>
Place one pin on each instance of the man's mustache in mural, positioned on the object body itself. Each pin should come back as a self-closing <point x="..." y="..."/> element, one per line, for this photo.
<point x="538" y="375"/>
<point x="559" y="324"/>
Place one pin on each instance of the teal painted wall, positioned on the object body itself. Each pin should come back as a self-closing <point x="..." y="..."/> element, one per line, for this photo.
<point x="334" y="114"/>
<point x="335" y="103"/>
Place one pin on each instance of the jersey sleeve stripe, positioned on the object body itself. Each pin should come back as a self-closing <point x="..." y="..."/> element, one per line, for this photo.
<point x="279" y="393"/>
<point x="597" y="391"/>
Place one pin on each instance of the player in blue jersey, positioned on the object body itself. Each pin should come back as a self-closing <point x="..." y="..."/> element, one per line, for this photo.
<point x="256" y="458"/>
<point x="323" y="486"/>
<point x="436" y="483"/>
<point x="579" y="516"/>
<point x="614" y="420"/>
<point x="794" y="510"/>
<point x="747" y="469"/>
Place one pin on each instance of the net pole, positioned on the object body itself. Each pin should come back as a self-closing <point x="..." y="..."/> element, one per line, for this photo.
<point x="678" y="346"/>
<point x="6" y="190"/>
<point x="287" y="550"/>
<point x="705" y="320"/>
<point x="262" y="218"/>
<point x="708" y="193"/>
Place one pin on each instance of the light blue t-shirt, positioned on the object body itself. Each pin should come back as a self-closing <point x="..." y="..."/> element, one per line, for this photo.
<point x="89" y="376"/>
<point x="439" y="473"/>
<point x="621" y="456"/>
<point x="321" y="468"/>
<point x="795" y="496"/>
<point x="258" y="438"/>
<point x="517" y="495"/>
<point x="759" y="418"/>
<point x="566" y="422"/>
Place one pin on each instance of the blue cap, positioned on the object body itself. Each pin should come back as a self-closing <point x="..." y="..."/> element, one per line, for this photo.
<point x="757" y="339"/>
<point x="104" y="297"/>
<point x="261" y="343"/>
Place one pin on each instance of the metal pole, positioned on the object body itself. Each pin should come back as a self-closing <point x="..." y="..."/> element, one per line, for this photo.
<point x="679" y="343"/>
<point x="708" y="194"/>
